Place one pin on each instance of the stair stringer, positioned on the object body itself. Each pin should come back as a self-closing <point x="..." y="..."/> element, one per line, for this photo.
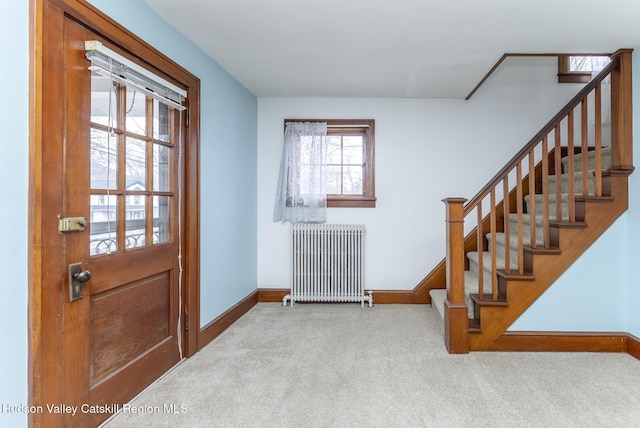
<point x="546" y="268"/>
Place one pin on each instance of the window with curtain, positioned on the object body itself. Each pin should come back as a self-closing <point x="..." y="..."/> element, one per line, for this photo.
<point x="325" y="163"/>
<point x="301" y="196"/>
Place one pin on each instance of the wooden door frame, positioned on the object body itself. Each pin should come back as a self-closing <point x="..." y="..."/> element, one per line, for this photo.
<point x="46" y="274"/>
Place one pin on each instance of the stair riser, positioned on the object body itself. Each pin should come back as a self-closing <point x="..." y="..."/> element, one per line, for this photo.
<point x="470" y="307"/>
<point x="577" y="186"/>
<point x="501" y="251"/>
<point x="539" y="207"/>
<point x="564" y="215"/>
<point x="486" y="266"/>
<point x="552" y="212"/>
<point x="577" y="161"/>
<point x="526" y="227"/>
<point x="437" y="302"/>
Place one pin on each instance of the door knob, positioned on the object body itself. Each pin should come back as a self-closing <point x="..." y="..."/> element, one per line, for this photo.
<point x="83" y="276"/>
<point x="77" y="277"/>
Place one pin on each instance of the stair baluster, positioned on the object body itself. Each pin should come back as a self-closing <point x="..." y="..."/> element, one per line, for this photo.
<point x="507" y="228"/>
<point x="532" y="204"/>
<point x="545" y="194"/>
<point x="571" y="167"/>
<point x="598" y="139"/>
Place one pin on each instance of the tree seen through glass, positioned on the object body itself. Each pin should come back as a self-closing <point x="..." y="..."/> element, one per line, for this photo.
<point x="345" y="161"/>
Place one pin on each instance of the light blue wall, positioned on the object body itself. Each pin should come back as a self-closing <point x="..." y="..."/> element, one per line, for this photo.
<point x="591" y="295"/>
<point x="228" y="161"/>
<point x="633" y="220"/>
<point x="228" y="182"/>
<point x="14" y="165"/>
<point x="14" y="40"/>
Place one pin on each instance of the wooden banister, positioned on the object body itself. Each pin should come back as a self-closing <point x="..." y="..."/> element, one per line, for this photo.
<point x="548" y="128"/>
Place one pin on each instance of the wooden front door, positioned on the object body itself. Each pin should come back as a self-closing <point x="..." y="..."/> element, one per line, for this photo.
<point x="111" y="290"/>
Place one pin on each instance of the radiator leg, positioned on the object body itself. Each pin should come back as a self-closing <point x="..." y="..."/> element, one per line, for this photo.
<point x="368" y="298"/>
<point x="284" y="300"/>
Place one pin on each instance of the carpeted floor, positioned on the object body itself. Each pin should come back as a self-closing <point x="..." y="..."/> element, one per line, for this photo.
<point x="343" y="366"/>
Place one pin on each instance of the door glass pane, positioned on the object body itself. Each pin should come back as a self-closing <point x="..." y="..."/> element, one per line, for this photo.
<point x="103" y="224"/>
<point x="104" y="169"/>
<point x="161" y="210"/>
<point x="161" y="169"/>
<point x="136" y="162"/>
<point x="161" y="121"/>
<point x="103" y="100"/>
<point x="135" y="215"/>
<point x="136" y="110"/>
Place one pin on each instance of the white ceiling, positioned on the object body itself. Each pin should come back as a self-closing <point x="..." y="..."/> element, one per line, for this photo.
<point x="390" y="48"/>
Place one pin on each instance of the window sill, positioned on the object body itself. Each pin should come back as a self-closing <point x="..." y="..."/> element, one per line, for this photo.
<point x="574" y="77"/>
<point x="351" y="202"/>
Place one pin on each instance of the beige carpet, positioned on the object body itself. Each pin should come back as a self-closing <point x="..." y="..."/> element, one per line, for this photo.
<point x="342" y="366"/>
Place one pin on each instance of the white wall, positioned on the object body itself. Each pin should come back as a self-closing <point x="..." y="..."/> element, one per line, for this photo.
<point x="422" y="146"/>
<point x="14" y="42"/>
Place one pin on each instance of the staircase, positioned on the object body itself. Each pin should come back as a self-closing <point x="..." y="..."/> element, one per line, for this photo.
<point x="543" y="210"/>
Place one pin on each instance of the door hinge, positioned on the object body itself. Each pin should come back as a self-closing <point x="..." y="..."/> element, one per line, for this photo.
<point x="186" y="118"/>
<point x="186" y="320"/>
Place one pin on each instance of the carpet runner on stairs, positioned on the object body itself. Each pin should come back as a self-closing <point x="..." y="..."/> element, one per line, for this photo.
<point x="471" y="276"/>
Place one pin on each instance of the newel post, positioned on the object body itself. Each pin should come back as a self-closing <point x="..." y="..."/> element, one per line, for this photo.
<point x="456" y="321"/>
<point x="621" y="113"/>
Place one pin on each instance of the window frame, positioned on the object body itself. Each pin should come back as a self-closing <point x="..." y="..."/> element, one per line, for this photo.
<point x="566" y="75"/>
<point x="367" y="199"/>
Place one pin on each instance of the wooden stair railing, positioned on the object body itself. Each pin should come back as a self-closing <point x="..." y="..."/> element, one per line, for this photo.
<point x="559" y="135"/>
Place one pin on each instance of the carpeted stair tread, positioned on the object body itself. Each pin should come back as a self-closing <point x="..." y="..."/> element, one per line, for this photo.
<point x="501" y="239"/>
<point x="526" y="219"/>
<point x="471" y="284"/>
<point x="577" y="183"/>
<point x="564" y="198"/>
<point x="591" y="159"/>
<point x="539" y="205"/>
<point x="526" y="226"/>
<point x="486" y="262"/>
<point x="501" y="248"/>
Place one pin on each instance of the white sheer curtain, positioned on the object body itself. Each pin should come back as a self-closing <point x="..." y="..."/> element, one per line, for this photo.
<point x="301" y="196"/>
